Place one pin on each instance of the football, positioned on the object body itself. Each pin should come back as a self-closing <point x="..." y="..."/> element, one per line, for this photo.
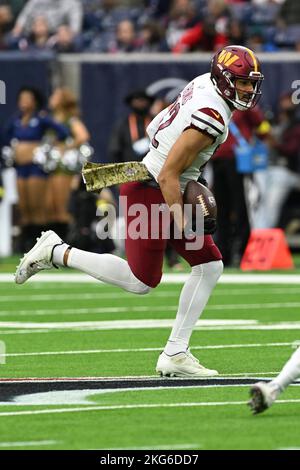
<point x="197" y="194"/>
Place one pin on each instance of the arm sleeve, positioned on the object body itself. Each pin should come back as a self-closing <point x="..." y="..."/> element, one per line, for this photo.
<point x="209" y="121"/>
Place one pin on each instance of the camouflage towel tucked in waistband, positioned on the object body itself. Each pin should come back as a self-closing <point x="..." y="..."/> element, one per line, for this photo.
<point x="101" y="175"/>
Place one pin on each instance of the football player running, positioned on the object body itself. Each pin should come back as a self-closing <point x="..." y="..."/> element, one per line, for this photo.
<point x="183" y="138"/>
<point x="264" y="394"/>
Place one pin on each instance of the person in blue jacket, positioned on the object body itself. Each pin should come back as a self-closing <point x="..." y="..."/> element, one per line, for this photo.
<point x="25" y="132"/>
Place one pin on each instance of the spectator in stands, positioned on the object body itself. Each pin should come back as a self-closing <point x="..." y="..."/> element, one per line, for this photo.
<point x="260" y="23"/>
<point x="290" y="12"/>
<point x="209" y="33"/>
<point x="63" y="41"/>
<point x="126" y="39"/>
<point x="6" y="18"/>
<point x="182" y="17"/>
<point x="106" y="12"/>
<point x="39" y="37"/>
<point x="57" y="13"/>
<point x="9" y="9"/>
<point x="215" y="27"/>
<point x="236" y="32"/>
<point x="157" y="9"/>
<point x="256" y="40"/>
<point x="25" y="132"/>
<point x="151" y="38"/>
<point x="228" y="185"/>
<point x="101" y="22"/>
<point x="14" y="6"/>
<point x="288" y="33"/>
<point x="64" y="107"/>
<point x="40" y="32"/>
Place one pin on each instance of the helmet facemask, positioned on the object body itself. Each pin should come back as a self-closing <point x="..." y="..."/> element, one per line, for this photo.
<point x="247" y="102"/>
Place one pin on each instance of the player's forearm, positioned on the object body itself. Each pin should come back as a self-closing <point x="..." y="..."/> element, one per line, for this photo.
<point x="170" y="188"/>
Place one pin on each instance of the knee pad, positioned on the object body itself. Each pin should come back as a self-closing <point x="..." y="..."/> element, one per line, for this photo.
<point x="143" y="282"/>
<point x="145" y="289"/>
<point x="141" y="288"/>
<point x="213" y="269"/>
<point x="138" y="287"/>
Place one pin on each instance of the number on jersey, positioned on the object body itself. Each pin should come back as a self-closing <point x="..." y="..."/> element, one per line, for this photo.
<point x="169" y="117"/>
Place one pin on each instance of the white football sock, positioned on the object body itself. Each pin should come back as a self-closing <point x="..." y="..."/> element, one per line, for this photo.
<point x="107" y="268"/>
<point x="289" y="373"/>
<point x="193" y="299"/>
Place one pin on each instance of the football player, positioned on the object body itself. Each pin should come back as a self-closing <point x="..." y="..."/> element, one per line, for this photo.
<point x="264" y="394"/>
<point x="183" y="138"/>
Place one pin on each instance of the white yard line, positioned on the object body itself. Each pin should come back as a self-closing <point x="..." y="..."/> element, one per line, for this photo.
<point x="78" y="311"/>
<point x="267" y="327"/>
<point x="119" y="324"/>
<point x="93" y="329"/>
<point x="132" y="407"/>
<point x="239" y="278"/>
<point x="267" y="305"/>
<point x="121" y="296"/>
<point x="106" y="351"/>
<point x="108" y="292"/>
<point x="27" y="444"/>
<point x="68" y="297"/>
<point x="155" y="308"/>
<point x="16" y="328"/>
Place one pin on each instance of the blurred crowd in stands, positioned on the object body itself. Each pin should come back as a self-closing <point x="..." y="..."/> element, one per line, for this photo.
<point x="177" y="26"/>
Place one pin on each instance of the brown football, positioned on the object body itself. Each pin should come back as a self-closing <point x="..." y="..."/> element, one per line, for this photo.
<point x="197" y="194"/>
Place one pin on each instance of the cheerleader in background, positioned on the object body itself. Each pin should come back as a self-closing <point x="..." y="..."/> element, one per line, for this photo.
<point x="64" y="108"/>
<point x="25" y="132"/>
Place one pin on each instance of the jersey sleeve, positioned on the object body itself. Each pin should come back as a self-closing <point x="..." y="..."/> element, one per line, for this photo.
<point x="209" y="121"/>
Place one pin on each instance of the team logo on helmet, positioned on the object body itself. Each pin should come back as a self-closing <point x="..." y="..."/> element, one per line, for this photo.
<point x="227" y="58"/>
